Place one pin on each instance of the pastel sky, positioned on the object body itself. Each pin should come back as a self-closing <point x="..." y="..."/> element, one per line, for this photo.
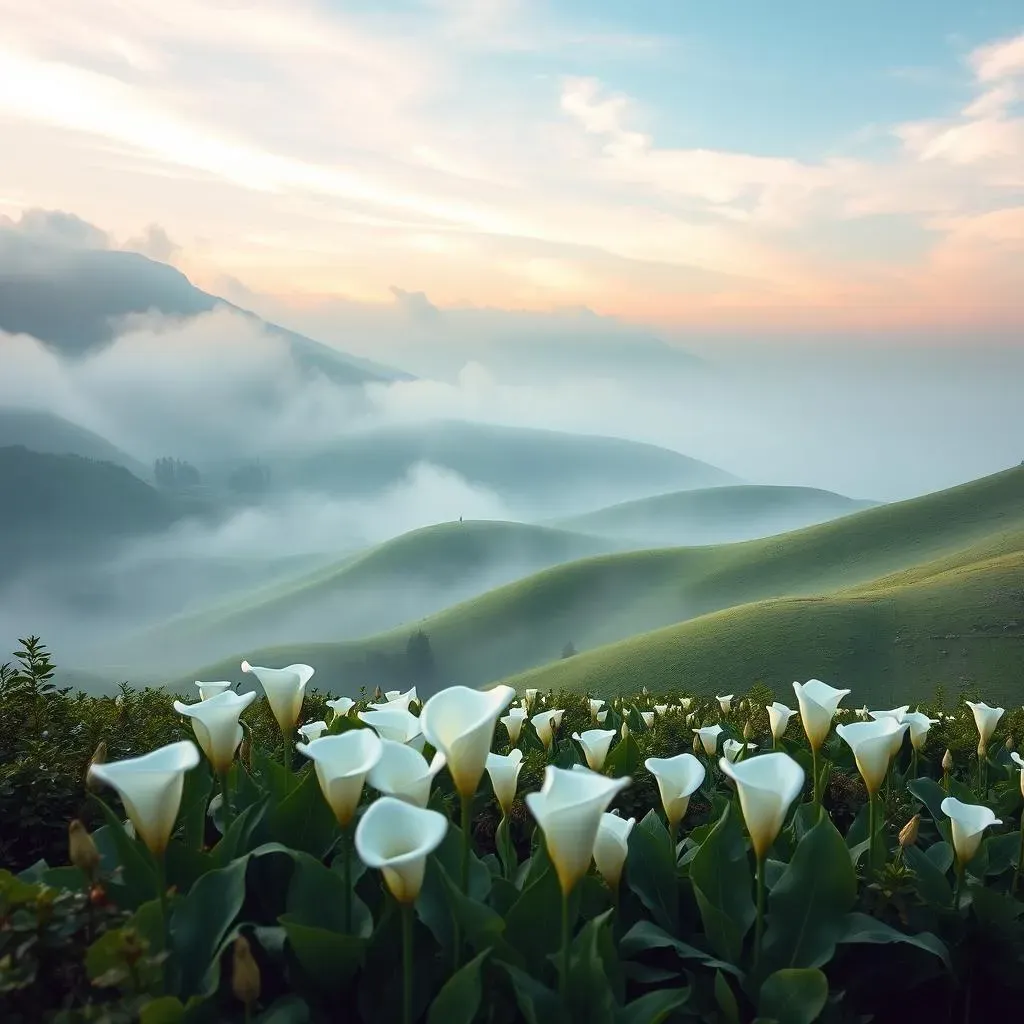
<point x="737" y="163"/>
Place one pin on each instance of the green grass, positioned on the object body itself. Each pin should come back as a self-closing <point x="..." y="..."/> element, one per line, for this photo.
<point x="596" y="601"/>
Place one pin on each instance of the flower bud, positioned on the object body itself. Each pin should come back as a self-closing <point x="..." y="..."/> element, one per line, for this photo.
<point x="98" y="757"/>
<point x="245" y="974"/>
<point x="748" y="731"/>
<point x="908" y="834"/>
<point x="1010" y="744"/>
<point x="698" y="747"/>
<point x="947" y="761"/>
<point x="82" y="851"/>
<point x="244" y="750"/>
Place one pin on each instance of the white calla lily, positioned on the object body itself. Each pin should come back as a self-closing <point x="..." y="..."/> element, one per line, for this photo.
<point x="342" y="763"/>
<point x="530" y="698"/>
<point x="460" y="722"/>
<point x="150" y="788"/>
<point x="396" y="837"/>
<point x="725" y="703"/>
<point x="767" y="786"/>
<point x="403" y="772"/>
<point x="285" y="688"/>
<point x="648" y="718"/>
<point x="708" y="736"/>
<point x="601" y="717"/>
<point x="595" y="706"/>
<point x="341" y="706"/>
<point x="395" y="700"/>
<point x="595" y="744"/>
<point x="678" y="779"/>
<point x="968" y="822"/>
<point x="545" y="723"/>
<point x="503" y="770"/>
<point x="686" y="703"/>
<point x="1019" y="762"/>
<point x="919" y="724"/>
<point x="897" y="713"/>
<point x="986" y="719"/>
<point x="568" y="810"/>
<point x="778" y="719"/>
<point x="312" y="731"/>
<point x="513" y="723"/>
<point x="396" y="724"/>
<point x="818" y="703"/>
<point x="208" y="690"/>
<point x="215" y="723"/>
<point x="873" y="744"/>
<point x="732" y="749"/>
<point x="611" y="846"/>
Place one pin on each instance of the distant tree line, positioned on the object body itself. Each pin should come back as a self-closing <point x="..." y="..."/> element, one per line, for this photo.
<point x="175" y="474"/>
<point x="413" y="666"/>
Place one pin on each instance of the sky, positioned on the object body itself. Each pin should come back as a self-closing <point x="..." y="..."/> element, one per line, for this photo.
<point x="796" y="166"/>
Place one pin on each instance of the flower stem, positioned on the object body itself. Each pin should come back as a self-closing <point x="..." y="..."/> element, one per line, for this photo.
<point x="817" y="779"/>
<point x="959" y="883"/>
<point x="160" y="863"/>
<point x="406" y="963"/>
<point x="346" y="874"/>
<point x="225" y="801"/>
<point x="287" y="757"/>
<point x="871" y="835"/>
<point x="672" y="826"/>
<point x="465" y="808"/>
<point x="913" y="762"/>
<point x="759" y="921"/>
<point x="563" y="980"/>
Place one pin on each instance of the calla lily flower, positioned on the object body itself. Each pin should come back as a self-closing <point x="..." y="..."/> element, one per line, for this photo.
<point x="215" y="723"/>
<point x="1019" y="762"/>
<point x="767" y="786"/>
<point x="398" y="724"/>
<point x="396" y="700"/>
<point x="601" y="717"/>
<point x="397" y="838"/>
<point x="686" y="703"/>
<point x="897" y="713"/>
<point x="530" y="697"/>
<point x="661" y="710"/>
<point x="342" y="763"/>
<point x="725" y="703"/>
<point x="150" y="788"/>
<point x="612" y="846"/>
<point x="460" y="723"/>
<point x="708" y="736"/>
<point x="545" y="725"/>
<point x="403" y="773"/>
<point x="968" y="821"/>
<point x="624" y="729"/>
<point x="678" y="779"/>
<point x="595" y="744"/>
<point x="285" y="688"/>
<point x="513" y="722"/>
<point x="919" y="724"/>
<point x="503" y="770"/>
<point x="873" y="744"/>
<point x="312" y="731"/>
<point x="208" y="690"/>
<point x="595" y="705"/>
<point x="733" y="748"/>
<point x="568" y="810"/>
<point x="341" y="706"/>
<point x="648" y="717"/>
<point x="818" y="703"/>
<point x="986" y="719"/>
<point x="778" y="719"/>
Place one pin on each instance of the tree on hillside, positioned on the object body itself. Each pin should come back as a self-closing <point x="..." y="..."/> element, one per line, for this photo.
<point x="569" y="650"/>
<point x="420" y="657"/>
<point x="250" y="480"/>
<point x="175" y="473"/>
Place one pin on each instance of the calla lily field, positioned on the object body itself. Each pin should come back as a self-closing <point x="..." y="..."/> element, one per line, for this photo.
<point x="491" y="856"/>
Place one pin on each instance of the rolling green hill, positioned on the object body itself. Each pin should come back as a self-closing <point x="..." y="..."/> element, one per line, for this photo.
<point x="969" y="531"/>
<point x="51" y="434"/>
<point x="715" y="515"/>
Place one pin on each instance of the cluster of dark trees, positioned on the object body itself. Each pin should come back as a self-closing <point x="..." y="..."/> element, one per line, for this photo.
<point x="175" y="474"/>
<point x="250" y="480"/>
<point x="413" y="666"/>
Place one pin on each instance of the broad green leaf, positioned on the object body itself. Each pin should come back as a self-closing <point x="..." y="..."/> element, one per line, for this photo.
<point x="137" y="877"/>
<point x="331" y="959"/>
<point x="623" y="759"/>
<point x="723" y="885"/>
<point x="807" y="908"/>
<point x="243" y="835"/>
<point x="651" y="871"/>
<point x="645" y="935"/>
<point x="591" y="994"/>
<point x="506" y="850"/>
<point x="654" y="1007"/>
<point x="165" y="1010"/>
<point x="459" y="998"/>
<point x="536" y="1002"/>
<point x="1003" y="852"/>
<point x="186" y="865"/>
<point x="69" y="878"/>
<point x="863" y="928"/>
<point x="932" y="884"/>
<point x="482" y="927"/>
<point x="941" y="855"/>
<point x="303" y="820"/>
<point x="316" y="897"/>
<point x="793" y="996"/>
<point x="726" y="999"/>
<point x="534" y="923"/>
<point x="194" y="799"/>
<point x="931" y="794"/>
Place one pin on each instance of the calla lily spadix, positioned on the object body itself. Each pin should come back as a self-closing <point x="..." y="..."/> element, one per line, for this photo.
<point x="285" y="688"/>
<point x="568" y="809"/>
<point x="215" y="723"/>
<point x="767" y="785"/>
<point x="513" y="723"/>
<point x="986" y="719"/>
<point x="732" y="749"/>
<point x="396" y="724"/>
<point x="208" y="690"/>
<point x="397" y="838"/>
<point x="968" y="822"/>
<point x="403" y="772"/>
<point x="725" y="703"/>
<point x="611" y="847"/>
<point x="342" y="763"/>
<point x="873" y="744"/>
<point x="818" y="703"/>
<point x="503" y="770"/>
<point x="396" y="700"/>
<point x="919" y="724"/>
<point x="341" y="706"/>
<point x="312" y="731"/>
<point x="778" y="719"/>
<point x="460" y="722"/>
<point x="708" y="736"/>
<point x="150" y="788"/>
<point x="595" y="744"/>
<point x="678" y="779"/>
<point x="545" y="723"/>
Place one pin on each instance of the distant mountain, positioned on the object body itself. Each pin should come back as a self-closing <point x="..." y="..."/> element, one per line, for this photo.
<point x="71" y="299"/>
<point x="715" y="515"/>
<point x="46" y="432"/>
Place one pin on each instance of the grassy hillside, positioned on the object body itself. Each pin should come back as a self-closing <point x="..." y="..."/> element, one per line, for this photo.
<point x="716" y="515"/>
<point x="53" y="435"/>
<point x="605" y="599"/>
<point x="400" y="580"/>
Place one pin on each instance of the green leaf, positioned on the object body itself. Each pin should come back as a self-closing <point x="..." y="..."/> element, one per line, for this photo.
<point x="645" y="935"/>
<point x="459" y="998"/>
<point x="316" y="897"/>
<point x="590" y="990"/>
<point x="289" y="1009"/>
<point x="722" y="884"/>
<point x="506" y="850"/>
<point x="536" y="1002"/>
<point x="651" y="871"/>
<point x="654" y="1007"/>
<point x="137" y="881"/>
<point x="863" y="928"/>
<point x="482" y="927"/>
<point x="331" y="959"/>
<point x="243" y="835"/>
<point x="534" y="922"/>
<point x="165" y="1010"/>
<point x="1003" y="852"/>
<point x="726" y="1000"/>
<point x="303" y="820"/>
<point x="931" y="795"/>
<point x="195" y="797"/>
<point x="932" y="885"/>
<point x="200" y="922"/>
<point x="807" y="907"/>
<point x="793" y="996"/>
<point x="623" y="759"/>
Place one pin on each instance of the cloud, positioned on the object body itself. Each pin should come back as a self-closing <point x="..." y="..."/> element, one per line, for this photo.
<point x="155" y="243"/>
<point x="55" y="228"/>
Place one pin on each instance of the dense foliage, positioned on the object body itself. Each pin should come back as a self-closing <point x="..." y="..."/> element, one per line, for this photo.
<point x="263" y="910"/>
